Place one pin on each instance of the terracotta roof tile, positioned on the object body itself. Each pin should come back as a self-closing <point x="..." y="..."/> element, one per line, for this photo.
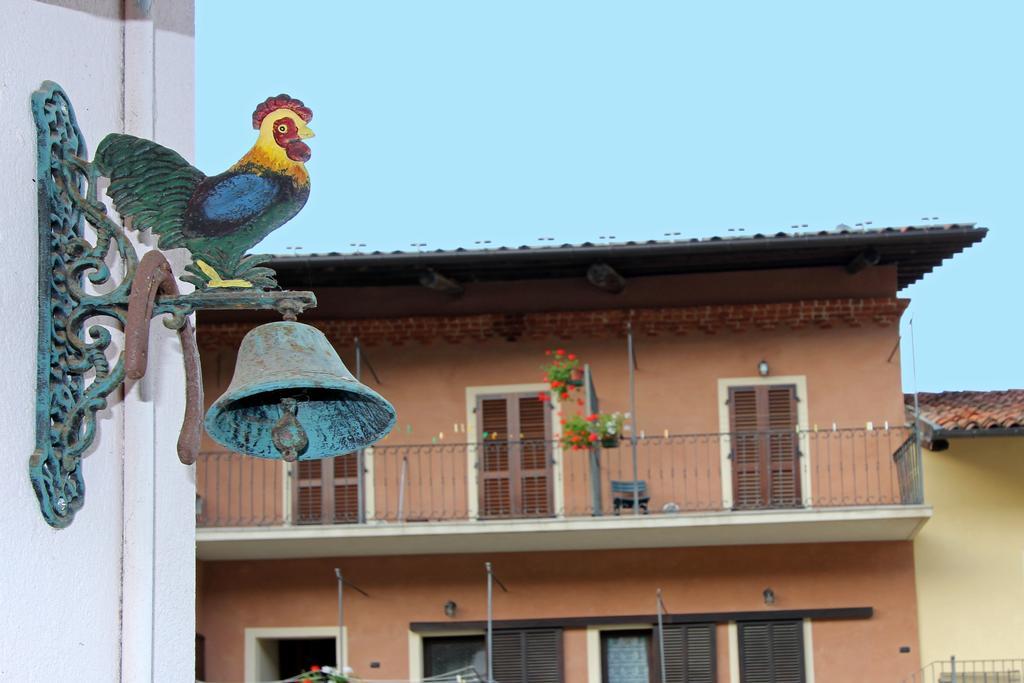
<point x="972" y="410"/>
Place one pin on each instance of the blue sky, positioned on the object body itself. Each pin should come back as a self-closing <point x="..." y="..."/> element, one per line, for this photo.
<point x="448" y="123"/>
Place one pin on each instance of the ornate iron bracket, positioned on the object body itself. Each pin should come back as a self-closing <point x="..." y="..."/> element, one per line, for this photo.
<point x="78" y="368"/>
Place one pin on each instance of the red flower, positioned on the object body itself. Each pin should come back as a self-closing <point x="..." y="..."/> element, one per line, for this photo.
<point x="314" y="668"/>
<point x="548" y="352"/>
<point x="555" y="384"/>
<point x="593" y="437"/>
<point x="572" y="356"/>
<point x="593" y="417"/>
<point x="565" y="395"/>
<point x="560" y="352"/>
<point x="562" y="421"/>
<point x="544" y="396"/>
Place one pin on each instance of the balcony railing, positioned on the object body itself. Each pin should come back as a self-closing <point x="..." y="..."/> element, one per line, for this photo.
<point x="674" y="475"/>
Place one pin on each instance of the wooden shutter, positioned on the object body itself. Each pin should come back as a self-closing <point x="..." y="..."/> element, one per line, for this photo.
<point x="771" y="652"/>
<point x="534" y="457"/>
<point x="765" y="446"/>
<point x="309" y="507"/>
<point x="782" y="446"/>
<point x="327" y="491"/>
<point x="746" y="451"/>
<point x="530" y="656"/>
<point x="515" y="457"/>
<point x="690" y="653"/>
<point x="345" y="473"/>
<point x="495" y="463"/>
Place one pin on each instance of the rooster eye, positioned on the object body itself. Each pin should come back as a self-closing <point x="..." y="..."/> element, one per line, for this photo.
<point x="282" y="129"/>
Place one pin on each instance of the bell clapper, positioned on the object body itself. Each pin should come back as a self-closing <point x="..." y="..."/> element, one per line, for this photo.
<point x="287" y="434"/>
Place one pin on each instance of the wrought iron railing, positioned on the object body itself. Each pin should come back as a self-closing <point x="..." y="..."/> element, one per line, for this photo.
<point x="955" y="670"/>
<point x="677" y="474"/>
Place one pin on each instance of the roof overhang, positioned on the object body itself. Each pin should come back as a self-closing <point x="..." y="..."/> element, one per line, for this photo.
<point x="914" y="250"/>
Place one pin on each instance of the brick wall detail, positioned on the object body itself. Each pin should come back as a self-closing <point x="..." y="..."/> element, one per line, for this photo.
<point x="566" y="325"/>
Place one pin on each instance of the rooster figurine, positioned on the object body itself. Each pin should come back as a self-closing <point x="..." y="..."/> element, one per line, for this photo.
<point x="217" y="218"/>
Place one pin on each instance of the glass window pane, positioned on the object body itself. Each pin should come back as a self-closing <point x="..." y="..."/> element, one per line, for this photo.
<point x="444" y="655"/>
<point x="628" y="658"/>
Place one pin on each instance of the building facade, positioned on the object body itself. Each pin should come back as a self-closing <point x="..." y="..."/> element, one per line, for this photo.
<point x="768" y="488"/>
<point x="969" y="559"/>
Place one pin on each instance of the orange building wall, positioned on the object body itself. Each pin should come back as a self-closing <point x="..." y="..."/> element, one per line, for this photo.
<point x="404" y="589"/>
<point x="850" y="377"/>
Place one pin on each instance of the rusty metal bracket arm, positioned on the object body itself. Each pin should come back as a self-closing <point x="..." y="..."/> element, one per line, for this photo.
<point x="154" y="276"/>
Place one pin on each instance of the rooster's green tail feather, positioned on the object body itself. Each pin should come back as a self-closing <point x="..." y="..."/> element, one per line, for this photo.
<point x="148" y="182"/>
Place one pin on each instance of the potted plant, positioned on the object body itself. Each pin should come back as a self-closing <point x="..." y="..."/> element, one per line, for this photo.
<point x="321" y="674"/>
<point x="562" y="373"/>
<point x="578" y="433"/>
<point x="581" y="433"/>
<point x="608" y="427"/>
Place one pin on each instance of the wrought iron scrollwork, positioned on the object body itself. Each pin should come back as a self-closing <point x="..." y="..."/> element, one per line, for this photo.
<point x="80" y="298"/>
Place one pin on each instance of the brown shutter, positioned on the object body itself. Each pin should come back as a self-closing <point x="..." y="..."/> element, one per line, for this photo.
<point x="534" y="457"/>
<point x="531" y="656"/>
<point x="346" y="488"/>
<point x="746" y="451"/>
<point x="690" y="653"/>
<point x="783" y="456"/>
<point x="309" y="508"/>
<point x="327" y="491"/>
<point x="765" y="446"/>
<point x="771" y="652"/>
<point x="495" y="461"/>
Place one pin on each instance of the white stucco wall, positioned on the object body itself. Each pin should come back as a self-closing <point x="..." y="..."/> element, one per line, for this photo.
<point x="111" y="597"/>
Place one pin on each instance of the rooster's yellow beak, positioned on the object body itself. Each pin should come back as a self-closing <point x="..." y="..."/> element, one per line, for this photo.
<point x="305" y="133"/>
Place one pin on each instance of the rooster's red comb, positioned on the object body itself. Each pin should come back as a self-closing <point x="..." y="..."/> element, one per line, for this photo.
<point x="282" y="101"/>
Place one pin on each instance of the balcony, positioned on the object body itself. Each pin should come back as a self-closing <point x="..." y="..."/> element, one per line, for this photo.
<point x="693" y="489"/>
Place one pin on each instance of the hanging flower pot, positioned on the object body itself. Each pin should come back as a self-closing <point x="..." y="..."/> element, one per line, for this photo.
<point x="577" y="434"/>
<point x="608" y="427"/>
<point x="563" y="373"/>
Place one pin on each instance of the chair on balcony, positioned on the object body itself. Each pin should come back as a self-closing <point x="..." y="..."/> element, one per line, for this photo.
<point x="623" y="495"/>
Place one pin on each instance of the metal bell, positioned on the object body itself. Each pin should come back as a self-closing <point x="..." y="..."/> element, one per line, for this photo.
<point x="291" y="397"/>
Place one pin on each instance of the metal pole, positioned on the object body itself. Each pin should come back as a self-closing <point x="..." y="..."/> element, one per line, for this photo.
<point x="490" y="623"/>
<point x="661" y="639"/>
<point x="592" y="407"/>
<point x="401" y="489"/>
<point x="360" y="472"/>
<point x="952" y="669"/>
<point x="341" y="619"/>
<point x="632" y="414"/>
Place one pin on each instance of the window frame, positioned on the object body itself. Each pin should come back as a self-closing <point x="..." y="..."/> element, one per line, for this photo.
<point x="724" y="426"/>
<point x="473" y="440"/>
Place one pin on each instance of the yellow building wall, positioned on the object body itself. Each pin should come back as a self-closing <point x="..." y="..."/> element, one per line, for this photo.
<point x="969" y="557"/>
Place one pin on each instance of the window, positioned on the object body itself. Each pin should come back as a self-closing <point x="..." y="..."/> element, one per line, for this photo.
<point x="450" y="655"/>
<point x="515" y="456"/>
<point x="521" y="656"/>
<point x="771" y="652"/>
<point x="532" y="656"/>
<point x="632" y="656"/>
<point x="295" y="655"/>
<point x="627" y="657"/>
<point x="327" y="491"/>
<point x="765" y="446"/>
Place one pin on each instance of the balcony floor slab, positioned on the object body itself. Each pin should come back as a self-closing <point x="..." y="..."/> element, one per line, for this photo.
<point x="822" y="525"/>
